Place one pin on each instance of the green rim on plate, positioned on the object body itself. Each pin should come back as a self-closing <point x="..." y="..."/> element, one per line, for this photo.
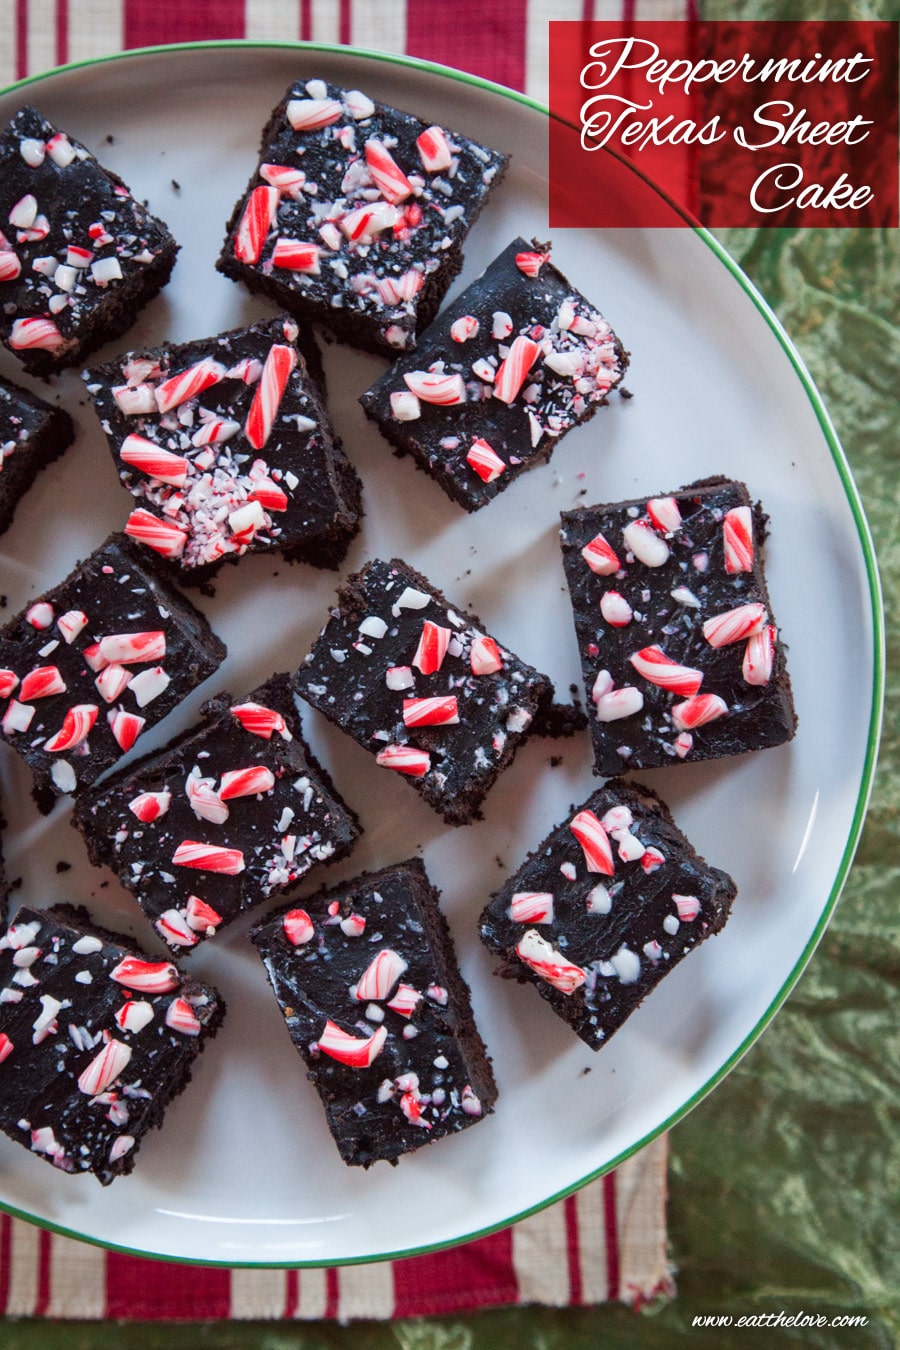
<point x="878" y="653"/>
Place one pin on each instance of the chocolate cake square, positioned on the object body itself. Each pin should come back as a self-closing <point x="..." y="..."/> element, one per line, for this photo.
<point x="79" y="257"/>
<point x="229" y="449"/>
<point x="679" y="648"/>
<point x="32" y="433"/>
<point x="96" y="1040"/>
<point x="93" y="661"/>
<point x="417" y="681"/>
<point x="220" y="819"/>
<point x="356" y="214"/>
<point x="503" y="372"/>
<point x="604" y="908"/>
<point x="367" y="980"/>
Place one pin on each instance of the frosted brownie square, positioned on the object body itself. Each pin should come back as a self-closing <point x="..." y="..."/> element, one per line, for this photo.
<point x="503" y="372"/>
<point x="356" y="214"/>
<point x="79" y="256"/>
<point x="93" y="661"/>
<point x="367" y="979"/>
<point x="220" y="819"/>
<point x="417" y="681"/>
<point x="32" y="434"/>
<point x="604" y="908"/>
<point x="229" y="449"/>
<point x="679" y="648"/>
<point x="96" y="1040"/>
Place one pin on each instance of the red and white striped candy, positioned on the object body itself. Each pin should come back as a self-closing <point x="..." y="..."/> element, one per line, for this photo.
<point x="464" y="328"/>
<point x="594" y="841"/>
<point x="688" y="907"/>
<point x="735" y="624"/>
<point x="157" y="534"/>
<point x="18" y="717"/>
<point x="134" y="1016"/>
<point x="434" y="150"/>
<point x="411" y="1106"/>
<point x="351" y="1050"/>
<point x="405" y="1001"/>
<point x="353" y="926"/>
<point x="215" y="431"/>
<point x="484" y="459"/>
<point x="683" y="743"/>
<point x="643" y="541"/>
<point x="104" y="1068"/>
<point x="652" y="860"/>
<point x="112" y="681"/>
<point x="365" y="221"/>
<point x="154" y="460"/>
<point x="258" y="720"/>
<point x="430" y="712"/>
<point x="282" y="176"/>
<point x="737" y="537"/>
<point x="664" y="514"/>
<point x="208" y="858"/>
<point x="405" y="406"/>
<point x="615" y="609"/>
<point x="295" y="255"/>
<point x="70" y="624"/>
<point x="697" y="711"/>
<point x="405" y="759"/>
<point x="380" y="975"/>
<point x="298" y="927"/>
<point x="531" y="263"/>
<point x="8" y="681"/>
<point x="269" y="495"/>
<point x="35" y="332"/>
<point x="76" y="725"/>
<point x="511" y="373"/>
<point x="148" y="977"/>
<point x="173" y="927"/>
<point x="432" y="387"/>
<point x="615" y="704"/>
<point x="6" y="1046"/>
<point x="40" y="614"/>
<point x="432" y="648"/>
<point x="759" y="656"/>
<point x="181" y="1017"/>
<point x="149" y="806"/>
<point x="178" y="389"/>
<point x="386" y="173"/>
<point x="10" y="267"/>
<point x="125" y="727"/>
<point x="309" y="114"/>
<point x="23" y="214"/>
<point x="531" y="907"/>
<point x="255" y="224"/>
<point x="201" y="916"/>
<point x="280" y="361"/>
<point x="659" y="669"/>
<point x="41" y="683"/>
<point x="78" y="257"/>
<point x="549" y="964"/>
<point x="246" y="782"/>
<point x="395" y="290"/>
<point x="205" y="801"/>
<point x="131" y="648"/>
<point x="601" y="557"/>
<point x="134" y="402"/>
<point x="484" y="656"/>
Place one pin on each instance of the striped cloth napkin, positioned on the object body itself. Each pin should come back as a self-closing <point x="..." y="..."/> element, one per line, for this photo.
<point x="608" y="1241"/>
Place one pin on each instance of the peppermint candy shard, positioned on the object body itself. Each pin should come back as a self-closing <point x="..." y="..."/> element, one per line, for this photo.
<point x="430" y="712"/>
<point x="484" y="656"/>
<point x="42" y="683"/>
<point x="386" y="173"/>
<point x="642" y="540"/>
<point x="659" y="669"/>
<point x="174" y="928"/>
<point x="201" y="917"/>
<point x="298" y="927"/>
<point x="280" y="362"/>
<point x="615" y="609"/>
<point x="512" y="371"/>
<point x="104" y="1068"/>
<point x="616" y="704"/>
<point x="436" y="387"/>
<point x="549" y="964"/>
<point x="759" y="656"/>
<point x="246" y="782"/>
<point x="433" y="643"/>
<point x="484" y="460"/>
<point x="125" y="727"/>
<point x="382" y="973"/>
<point x="260" y="721"/>
<point x="697" y="711"/>
<point x="75" y="729"/>
<point x="352" y="1051"/>
<point x="208" y="857"/>
<point x="147" y="977"/>
<point x="310" y="114"/>
<point x="153" y="460"/>
<point x="531" y="907"/>
<point x="405" y="1001"/>
<point x="688" y="907"/>
<point x="150" y="806"/>
<point x="737" y="539"/>
<point x="601" y="557"/>
<point x="594" y="841"/>
<point x="404" y="759"/>
<point x="531" y="263"/>
<point x="434" y="150"/>
<point x="735" y="624"/>
<point x="181" y="1017"/>
<point x="163" y="537"/>
<point x="664" y="514"/>
<point x="255" y="223"/>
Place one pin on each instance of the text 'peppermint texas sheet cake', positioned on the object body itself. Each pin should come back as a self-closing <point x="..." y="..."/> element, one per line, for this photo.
<point x="356" y="214"/>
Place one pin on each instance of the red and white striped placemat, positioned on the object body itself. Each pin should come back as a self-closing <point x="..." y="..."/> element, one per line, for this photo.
<point x="607" y="1242"/>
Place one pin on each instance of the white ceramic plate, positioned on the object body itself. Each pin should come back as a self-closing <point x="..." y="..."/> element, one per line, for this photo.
<point x="244" y="1170"/>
